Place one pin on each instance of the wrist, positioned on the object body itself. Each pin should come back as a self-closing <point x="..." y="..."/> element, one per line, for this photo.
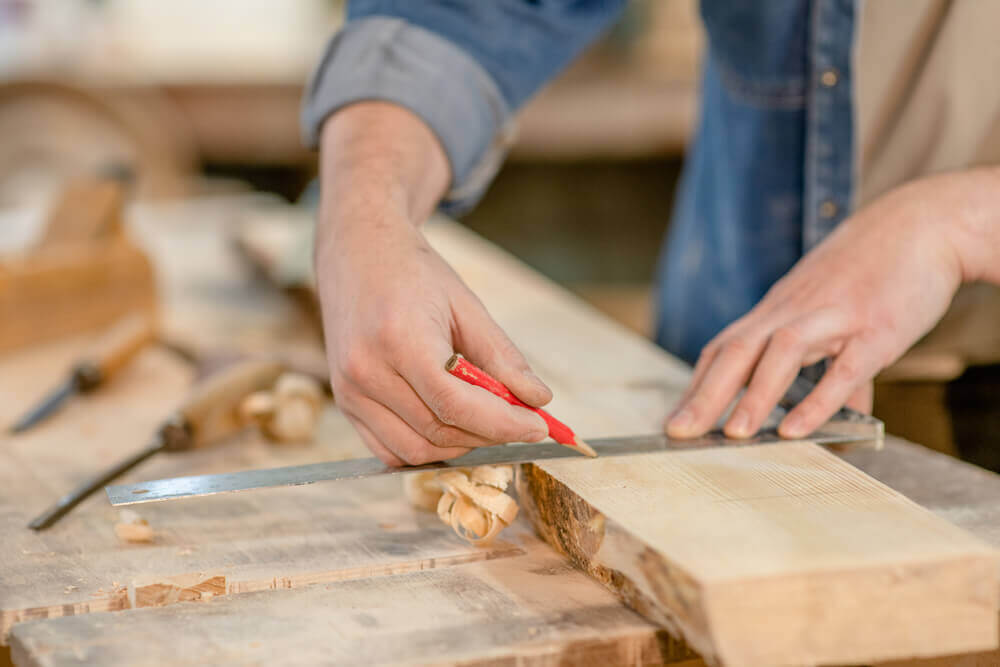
<point x="379" y="157"/>
<point x="977" y="233"/>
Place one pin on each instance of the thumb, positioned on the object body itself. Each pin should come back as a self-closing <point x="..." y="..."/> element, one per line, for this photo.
<point x="485" y="344"/>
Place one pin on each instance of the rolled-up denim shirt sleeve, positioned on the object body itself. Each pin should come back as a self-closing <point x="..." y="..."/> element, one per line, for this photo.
<point x="463" y="66"/>
<point x="389" y="59"/>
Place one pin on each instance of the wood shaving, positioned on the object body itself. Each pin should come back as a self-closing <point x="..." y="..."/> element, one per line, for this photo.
<point x="287" y="413"/>
<point x="422" y="490"/>
<point x="133" y="528"/>
<point x="471" y="501"/>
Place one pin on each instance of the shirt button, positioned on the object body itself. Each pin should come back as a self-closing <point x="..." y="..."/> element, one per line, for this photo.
<point x="827" y="209"/>
<point x="829" y="78"/>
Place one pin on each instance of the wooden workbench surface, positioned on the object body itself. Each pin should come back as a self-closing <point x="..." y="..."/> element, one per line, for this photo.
<point x="343" y="572"/>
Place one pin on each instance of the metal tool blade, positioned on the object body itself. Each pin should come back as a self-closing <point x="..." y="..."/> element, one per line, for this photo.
<point x="89" y="486"/>
<point x="48" y="405"/>
<point x="204" y="485"/>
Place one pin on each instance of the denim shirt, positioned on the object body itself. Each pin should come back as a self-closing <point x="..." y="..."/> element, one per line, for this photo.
<point x="767" y="176"/>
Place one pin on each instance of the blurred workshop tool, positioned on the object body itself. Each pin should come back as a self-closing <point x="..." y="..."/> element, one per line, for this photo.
<point x="89" y="208"/>
<point x="85" y="272"/>
<point x="206" y="417"/>
<point x="279" y="247"/>
<point x="112" y="352"/>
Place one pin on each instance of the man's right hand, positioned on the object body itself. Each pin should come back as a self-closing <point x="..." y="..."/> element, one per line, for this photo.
<point x="394" y="311"/>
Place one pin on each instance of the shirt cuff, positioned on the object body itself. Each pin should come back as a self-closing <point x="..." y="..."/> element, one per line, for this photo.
<point x="388" y="59"/>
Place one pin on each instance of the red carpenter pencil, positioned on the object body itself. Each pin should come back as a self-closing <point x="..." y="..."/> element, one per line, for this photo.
<point x="464" y="370"/>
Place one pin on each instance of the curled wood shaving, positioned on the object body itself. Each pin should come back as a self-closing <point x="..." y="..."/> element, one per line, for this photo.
<point x="287" y="413"/>
<point x="422" y="490"/>
<point x="471" y="501"/>
<point x="133" y="528"/>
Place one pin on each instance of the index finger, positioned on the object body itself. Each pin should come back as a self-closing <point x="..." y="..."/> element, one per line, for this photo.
<point x="459" y="404"/>
<point x="728" y="373"/>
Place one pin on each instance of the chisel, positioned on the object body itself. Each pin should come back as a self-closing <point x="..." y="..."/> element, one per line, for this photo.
<point x="112" y="352"/>
<point x="207" y="416"/>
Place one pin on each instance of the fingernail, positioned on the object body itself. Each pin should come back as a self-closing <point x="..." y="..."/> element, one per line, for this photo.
<point x="792" y="427"/>
<point x="681" y="420"/>
<point x="739" y="424"/>
<point x="537" y="380"/>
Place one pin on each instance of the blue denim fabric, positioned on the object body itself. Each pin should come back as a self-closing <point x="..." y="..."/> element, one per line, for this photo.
<point x="521" y="43"/>
<point x="769" y="172"/>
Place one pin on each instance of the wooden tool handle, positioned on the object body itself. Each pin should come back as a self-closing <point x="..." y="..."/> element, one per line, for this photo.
<point x="210" y="413"/>
<point x="86" y="210"/>
<point x="121" y="343"/>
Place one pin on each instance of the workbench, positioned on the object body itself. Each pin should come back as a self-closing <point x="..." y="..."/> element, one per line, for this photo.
<point x="343" y="572"/>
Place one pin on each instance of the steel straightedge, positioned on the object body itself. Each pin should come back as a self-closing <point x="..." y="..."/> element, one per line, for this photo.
<point x="205" y="485"/>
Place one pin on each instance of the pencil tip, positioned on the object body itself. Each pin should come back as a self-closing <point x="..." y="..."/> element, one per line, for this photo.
<point x="584" y="447"/>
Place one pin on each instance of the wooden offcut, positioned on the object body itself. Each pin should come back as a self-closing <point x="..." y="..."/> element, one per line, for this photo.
<point x="772" y="555"/>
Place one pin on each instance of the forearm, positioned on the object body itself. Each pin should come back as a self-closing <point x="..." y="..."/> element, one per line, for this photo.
<point x="379" y="165"/>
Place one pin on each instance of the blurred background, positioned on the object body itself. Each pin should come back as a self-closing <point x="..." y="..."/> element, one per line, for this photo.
<point x="203" y="97"/>
<point x="200" y="101"/>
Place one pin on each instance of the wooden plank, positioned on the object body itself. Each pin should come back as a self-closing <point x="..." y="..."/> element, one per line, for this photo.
<point x="535" y="606"/>
<point x="282" y="538"/>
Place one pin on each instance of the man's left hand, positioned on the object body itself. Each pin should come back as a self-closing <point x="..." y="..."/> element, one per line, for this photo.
<point x="861" y="298"/>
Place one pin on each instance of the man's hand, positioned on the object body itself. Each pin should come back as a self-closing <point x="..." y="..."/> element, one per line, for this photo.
<point x="862" y="298"/>
<point x="394" y="311"/>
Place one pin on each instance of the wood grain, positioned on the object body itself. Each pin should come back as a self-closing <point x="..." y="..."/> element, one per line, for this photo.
<point x="772" y="555"/>
<point x="534" y="606"/>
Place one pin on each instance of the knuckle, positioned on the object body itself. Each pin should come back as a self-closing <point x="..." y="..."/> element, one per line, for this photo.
<point x="354" y="364"/>
<point x="390" y="331"/>
<point x="738" y="346"/>
<point x="708" y="351"/>
<point x="442" y="435"/>
<point x="845" y="370"/>
<point x="787" y="337"/>
<point x="445" y="404"/>
<point x="507" y="351"/>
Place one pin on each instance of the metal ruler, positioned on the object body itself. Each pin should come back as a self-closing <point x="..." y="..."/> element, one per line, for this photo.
<point x="849" y="426"/>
